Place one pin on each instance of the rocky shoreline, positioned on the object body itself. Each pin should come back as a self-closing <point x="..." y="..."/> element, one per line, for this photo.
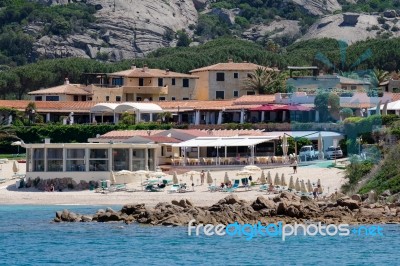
<point x="285" y="207"/>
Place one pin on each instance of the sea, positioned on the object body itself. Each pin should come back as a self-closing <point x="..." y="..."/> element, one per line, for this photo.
<point x="29" y="237"/>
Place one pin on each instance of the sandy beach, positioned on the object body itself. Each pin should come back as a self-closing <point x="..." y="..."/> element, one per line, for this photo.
<point x="331" y="179"/>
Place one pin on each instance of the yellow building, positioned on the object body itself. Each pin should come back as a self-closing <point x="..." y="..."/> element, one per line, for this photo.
<point x="223" y="80"/>
<point x="144" y="84"/>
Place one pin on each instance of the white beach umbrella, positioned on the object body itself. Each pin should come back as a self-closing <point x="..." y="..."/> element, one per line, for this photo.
<point x="192" y="173"/>
<point x="226" y="178"/>
<point x="124" y="172"/>
<point x="320" y="146"/>
<point x="209" y="178"/>
<point x="175" y="178"/>
<point x="320" y="190"/>
<point x="277" y="181"/>
<point x="309" y="186"/>
<point x="252" y="168"/>
<point x="297" y="185"/>
<point x="291" y="183"/>
<point x="244" y="173"/>
<point x="262" y="179"/>
<point x="15" y="167"/>
<point x="283" y="181"/>
<point x="112" y="178"/>
<point x="269" y="178"/>
<point x="303" y="187"/>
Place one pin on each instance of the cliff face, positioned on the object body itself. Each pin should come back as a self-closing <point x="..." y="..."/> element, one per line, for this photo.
<point x="319" y="7"/>
<point x="124" y="29"/>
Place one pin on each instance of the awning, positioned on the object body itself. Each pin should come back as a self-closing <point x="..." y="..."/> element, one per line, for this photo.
<point x="265" y="107"/>
<point x="224" y="142"/>
<point x="293" y="107"/>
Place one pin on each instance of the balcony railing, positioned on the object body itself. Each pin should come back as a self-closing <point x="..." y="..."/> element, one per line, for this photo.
<point x="146" y="89"/>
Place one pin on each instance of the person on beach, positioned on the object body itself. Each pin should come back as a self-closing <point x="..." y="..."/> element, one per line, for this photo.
<point x="202" y="175"/>
<point x="315" y="192"/>
<point x="295" y="166"/>
<point x="51" y="188"/>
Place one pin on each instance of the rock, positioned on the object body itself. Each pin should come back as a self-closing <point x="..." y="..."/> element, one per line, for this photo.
<point x="386" y="193"/>
<point x="347" y="202"/>
<point x="263" y="203"/>
<point x="182" y="203"/>
<point x="200" y="4"/>
<point x="224" y="14"/>
<point x="274" y="29"/>
<point x="350" y="19"/>
<point x="356" y="197"/>
<point x="318" y="7"/>
<point x="390" y="13"/>
<point x="133" y="30"/>
<point x="86" y="218"/>
<point x="231" y="199"/>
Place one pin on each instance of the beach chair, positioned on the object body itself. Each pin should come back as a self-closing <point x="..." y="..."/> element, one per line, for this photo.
<point x="233" y="188"/>
<point x="152" y="188"/>
<point x="213" y="188"/>
<point x="174" y="188"/>
<point x="263" y="188"/>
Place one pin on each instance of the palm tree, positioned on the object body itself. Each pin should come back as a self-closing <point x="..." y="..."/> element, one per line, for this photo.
<point x="261" y="80"/>
<point x="379" y="76"/>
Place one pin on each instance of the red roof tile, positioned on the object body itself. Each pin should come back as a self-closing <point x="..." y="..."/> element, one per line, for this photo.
<point x="230" y="66"/>
<point x="255" y="99"/>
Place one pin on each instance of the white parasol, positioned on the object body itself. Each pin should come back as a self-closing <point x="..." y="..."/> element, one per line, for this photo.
<point x="226" y="178"/>
<point x="283" y="181"/>
<point x="244" y="173"/>
<point x="252" y="168"/>
<point x="303" y="187"/>
<point x="297" y="185"/>
<point x="209" y="178"/>
<point x="269" y="179"/>
<point x="309" y="186"/>
<point x="291" y="184"/>
<point x="15" y="167"/>
<point x="262" y="179"/>
<point x="175" y="178"/>
<point x="277" y="181"/>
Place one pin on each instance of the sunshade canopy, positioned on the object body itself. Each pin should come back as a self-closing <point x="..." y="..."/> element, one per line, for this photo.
<point x="223" y="142"/>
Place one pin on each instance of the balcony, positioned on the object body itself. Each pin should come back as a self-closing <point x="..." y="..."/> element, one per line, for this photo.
<point x="146" y="90"/>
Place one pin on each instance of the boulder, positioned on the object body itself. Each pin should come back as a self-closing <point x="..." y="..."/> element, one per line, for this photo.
<point x="200" y="4"/>
<point x="263" y="203"/>
<point x="356" y="197"/>
<point x="347" y="202"/>
<point x="390" y="13"/>
<point x="386" y="193"/>
<point x="225" y="15"/>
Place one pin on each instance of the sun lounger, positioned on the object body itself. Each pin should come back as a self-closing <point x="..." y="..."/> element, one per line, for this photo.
<point x="2" y="180"/>
<point x="173" y="189"/>
<point x="213" y="188"/>
<point x="263" y="188"/>
<point x="152" y="188"/>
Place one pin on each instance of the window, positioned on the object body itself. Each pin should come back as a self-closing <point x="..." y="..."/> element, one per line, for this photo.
<point x="249" y="75"/>
<point x="75" y="160"/>
<point x="98" y="160"/>
<point x="138" y="99"/>
<point x="55" y="160"/>
<point x="160" y="82"/>
<point x="161" y="98"/>
<point x="251" y="93"/>
<point x="344" y="87"/>
<point x="220" y="95"/>
<point x="353" y="87"/>
<point x="83" y="98"/>
<point x="138" y="159"/>
<point x="76" y="98"/>
<point x="117" y="81"/>
<point x="117" y="98"/>
<point x="185" y="98"/>
<point x="173" y="81"/>
<point x="38" y="160"/>
<point x="52" y="98"/>
<point x="38" y="98"/>
<point x="220" y="76"/>
<point x="141" y="82"/>
<point x="107" y="98"/>
<point x="185" y="83"/>
<point x="235" y="93"/>
<point x="235" y="75"/>
<point x="120" y="159"/>
<point x="173" y="99"/>
<point x="89" y="98"/>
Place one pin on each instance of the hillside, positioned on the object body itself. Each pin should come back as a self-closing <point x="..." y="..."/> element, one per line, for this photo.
<point x="113" y="30"/>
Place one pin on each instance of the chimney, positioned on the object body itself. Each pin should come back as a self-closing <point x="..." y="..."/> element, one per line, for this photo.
<point x="167" y="71"/>
<point x="145" y="68"/>
<point x="133" y="67"/>
<point x="66" y="81"/>
<point x="230" y="60"/>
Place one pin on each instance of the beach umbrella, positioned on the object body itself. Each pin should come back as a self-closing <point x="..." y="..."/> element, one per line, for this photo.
<point x="320" y="186"/>
<point x="16" y="143"/>
<point x="124" y="172"/>
<point x="303" y="187"/>
<point x="284" y="145"/>
<point x="175" y="178"/>
<point x="244" y="173"/>
<point x="283" y="181"/>
<point x="209" y="178"/>
<point x="309" y="186"/>
<point x="252" y="168"/>
<point x="226" y="178"/>
<point x="297" y="185"/>
<point x="112" y="178"/>
<point x="269" y="179"/>
<point x="15" y="167"/>
<point x="320" y="146"/>
<point x="291" y="184"/>
<point x="277" y="181"/>
<point x="262" y="179"/>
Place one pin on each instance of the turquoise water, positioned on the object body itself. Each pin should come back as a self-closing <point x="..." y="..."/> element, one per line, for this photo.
<point x="28" y="237"/>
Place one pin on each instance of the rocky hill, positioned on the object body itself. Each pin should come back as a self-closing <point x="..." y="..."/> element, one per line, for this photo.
<point x="126" y="29"/>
